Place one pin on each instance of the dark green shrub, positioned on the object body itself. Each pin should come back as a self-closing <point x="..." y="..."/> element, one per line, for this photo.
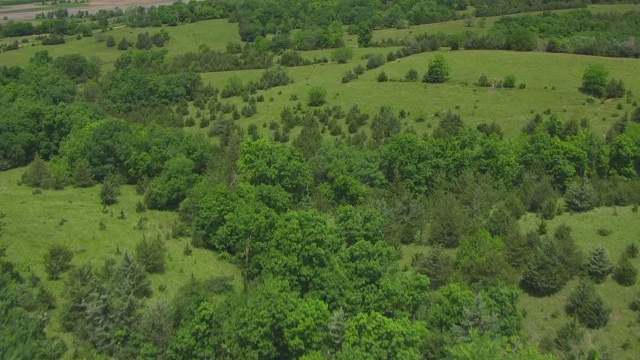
<point x="587" y="306"/>
<point x="57" y="260"/>
<point x="625" y="273"/>
<point x="598" y="265"/>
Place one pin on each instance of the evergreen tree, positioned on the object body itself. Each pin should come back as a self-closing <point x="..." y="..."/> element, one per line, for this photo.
<point x="82" y="175"/>
<point x="587" y="306"/>
<point x="111" y="42"/>
<point x="631" y="250"/>
<point x="144" y="41"/>
<point x="625" y="273"/>
<point x="449" y="221"/>
<point x="37" y="174"/>
<point x="598" y="266"/>
<point x="570" y="254"/>
<point x="545" y="273"/>
<point x="57" y="260"/>
<point x="615" y="89"/>
<point x="123" y="44"/>
<point x="110" y="191"/>
<point x="580" y="196"/>
<point x="309" y="140"/>
<point x="152" y="255"/>
<point x="436" y="265"/>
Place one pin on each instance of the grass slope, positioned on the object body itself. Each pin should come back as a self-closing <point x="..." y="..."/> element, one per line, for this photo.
<point x="34" y="223"/>
<point x="546" y="315"/>
<point x="215" y="33"/>
<point x="552" y="83"/>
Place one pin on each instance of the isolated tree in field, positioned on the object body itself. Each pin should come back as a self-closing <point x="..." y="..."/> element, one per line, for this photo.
<point x="111" y="42"/>
<point x="144" y="41"/>
<point x="37" y="174"/>
<point x="438" y="71"/>
<point x="598" y="266"/>
<point x="625" y="273"/>
<point x="342" y="55"/>
<point x="483" y="81"/>
<point x="412" y="75"/>
<point x="317" y="96"/>
<point x="594" y="80"/>
<point x="123" y="44"/>
<point x="509" y="81"/>
<point x="587" y="306"/>
<point x="110" y="190"/>
<point x="57" y="260"/>
<point x="152" y="255"/>
<point x="631" y="250"/>
<point x="580" y="196"/>
<point x="382" y="77"/>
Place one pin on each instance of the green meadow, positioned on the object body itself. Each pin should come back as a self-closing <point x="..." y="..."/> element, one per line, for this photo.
<point x="546" y="315"/>
<point x="215" y="33"/>
<point x="546" y="83"/>
<point x="552" y="82"/>
<point x="72" y="217"/>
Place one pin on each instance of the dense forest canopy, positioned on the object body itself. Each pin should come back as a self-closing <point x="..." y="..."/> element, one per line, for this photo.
<point x="317" y="209"/>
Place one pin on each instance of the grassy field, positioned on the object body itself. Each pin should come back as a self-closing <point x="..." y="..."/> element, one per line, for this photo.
<point x="552" y="83"/>
<point x="72" y="216"/>
<point x="546" y="315"/>
<point x="478" y="25"/>
<point x="215" y="33"/>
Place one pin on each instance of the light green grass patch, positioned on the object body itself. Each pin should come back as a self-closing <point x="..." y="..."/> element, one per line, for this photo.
<point x="552" y="83"/>
<point x="214" y="33"/>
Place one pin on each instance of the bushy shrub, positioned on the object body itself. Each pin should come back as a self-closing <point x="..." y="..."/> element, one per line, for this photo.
<point x="509" y="81"/>
<point x="317" y="96"/>
<point x="57" y="260"/>
<point x="483" y="81"/>
<point x="375" y="61"/>
<point x="412" y="75"/>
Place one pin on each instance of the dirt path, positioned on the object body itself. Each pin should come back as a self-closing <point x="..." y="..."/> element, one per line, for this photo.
<point x="92" y="7"/>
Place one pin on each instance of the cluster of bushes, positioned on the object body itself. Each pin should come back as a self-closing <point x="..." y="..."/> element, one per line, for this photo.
<point x="237" y="57"/>
<point x="144" y="41"/>
<point x="293" y="58"/>
<point x="273" y="77"/>
<point x="11" y="46"/>
<point x="353" y="74"/>
<point x="508" y="82"/>
<point x="53" y="39"/>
